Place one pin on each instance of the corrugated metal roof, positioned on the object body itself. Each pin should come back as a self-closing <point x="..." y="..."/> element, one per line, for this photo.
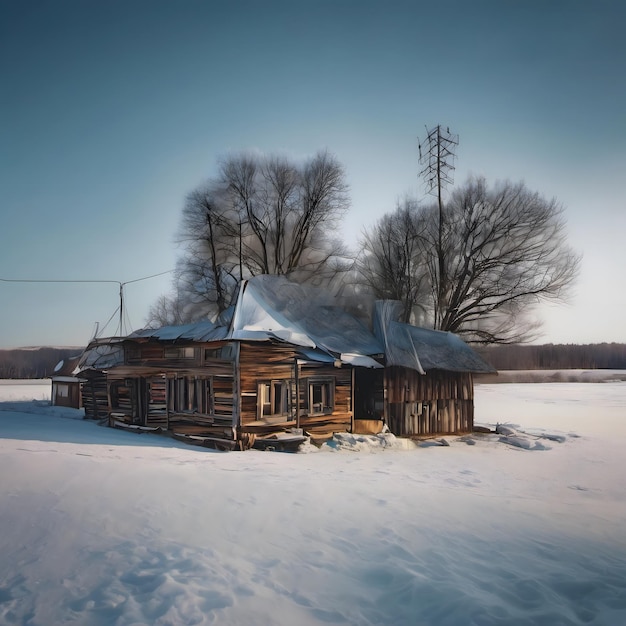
<point x="272" y="303"/>
<point x="100" y="356"/>
<point x="199" y="331"/>
<point x="412" y="347"/>
<point x="271" y="308"/>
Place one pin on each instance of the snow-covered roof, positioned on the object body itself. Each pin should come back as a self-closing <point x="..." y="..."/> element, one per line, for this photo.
<point x="199" y="331"/>
<point x="272" y="308"/>
<point x="65" y="368"/>
<point x="101" y="355"/>
<point x="431" y="349"/>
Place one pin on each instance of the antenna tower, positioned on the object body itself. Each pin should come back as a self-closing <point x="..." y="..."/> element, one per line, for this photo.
<point x="437" y="161"/>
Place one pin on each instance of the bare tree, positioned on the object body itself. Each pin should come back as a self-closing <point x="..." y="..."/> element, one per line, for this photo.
<point x="211" y="232"/>
<point x="165" y="311"/>
<point x="391" y="263"/>
<point x="193" y="296"/>
<point x="503" y="251"/>
<point x="286" y="213"/>
<point x="261" y="216"/>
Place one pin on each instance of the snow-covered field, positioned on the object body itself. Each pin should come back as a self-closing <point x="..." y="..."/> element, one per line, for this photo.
<point x="102" y="527"/>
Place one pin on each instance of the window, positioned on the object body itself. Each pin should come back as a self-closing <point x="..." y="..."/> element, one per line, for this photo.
<point x="133" y="353"/>
<point x="179" y="353"/>
<point x="225" y="352"/>
<point x="321" y="395"/>
<point x="63" y="391"/>
<point x="190" y="395"/>
<point x="273" y="398"/>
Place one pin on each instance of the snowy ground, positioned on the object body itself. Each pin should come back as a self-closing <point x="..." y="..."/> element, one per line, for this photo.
<point x="102" y="527"/>
<point x="554" y="376"/>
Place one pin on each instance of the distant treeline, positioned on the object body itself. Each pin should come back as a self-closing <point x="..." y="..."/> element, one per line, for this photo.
<point x="40" y="362"/>
<point x="33" y="363"/>
<point x="557" y="356"/>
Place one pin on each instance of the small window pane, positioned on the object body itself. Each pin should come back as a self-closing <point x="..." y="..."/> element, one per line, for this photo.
<point x="273" y="398"/>
<point x="321" y="396"/>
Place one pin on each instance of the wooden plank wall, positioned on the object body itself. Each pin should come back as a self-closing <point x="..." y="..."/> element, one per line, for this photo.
<point x="73" y="398"/>
<point x="340" y="420"/>
<point x="415" y="404"/>
<point x="263" y="362"/>
<point x="432" y="404"/>
<point x="157" y="402"/>
<point x="140" y="391"/>
<point x="95" y="398"/>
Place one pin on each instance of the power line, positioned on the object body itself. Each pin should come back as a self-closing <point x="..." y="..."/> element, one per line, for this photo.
<point x="69" y="280"/>
<point x="146" y="277"/>
<point x="122" y="313"/>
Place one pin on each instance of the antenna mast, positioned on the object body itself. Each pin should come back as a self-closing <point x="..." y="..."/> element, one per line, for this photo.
<point x="437" y="161"/>
<point x="121" y="309"/>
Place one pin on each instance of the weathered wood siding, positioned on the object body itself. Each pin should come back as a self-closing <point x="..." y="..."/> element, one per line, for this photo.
<point x="94" y="395"/>
<point x="436" y="403"/>
<point x="187" y="395"/>
<point x="262" y="362"/>
<point x="66" y="393"/>
<point x="258" y="388"/>
<point x="340" y="420"/>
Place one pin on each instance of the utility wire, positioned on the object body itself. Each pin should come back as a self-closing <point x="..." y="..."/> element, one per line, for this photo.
<point x="101" y="331"/>
<point x="146" y="277"/>
<point x="123" y="313"/>
<point x="116" y="282"/>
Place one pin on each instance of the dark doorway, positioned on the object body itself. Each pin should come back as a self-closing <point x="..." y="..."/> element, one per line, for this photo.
<point x="368" y="393"/>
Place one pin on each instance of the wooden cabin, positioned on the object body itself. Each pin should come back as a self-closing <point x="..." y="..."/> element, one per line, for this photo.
<point x="288" y="364"/>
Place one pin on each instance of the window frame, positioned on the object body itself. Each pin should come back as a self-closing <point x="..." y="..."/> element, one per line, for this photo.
<point x="190" y="395"/>
<point x="279" y="397"/>
<point x="326" y="404"/>
<point x="179" y="352"/>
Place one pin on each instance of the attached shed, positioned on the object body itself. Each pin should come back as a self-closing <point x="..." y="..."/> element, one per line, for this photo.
<point x="288" y="361"/>
<point x="429" y="381"/>
<point x="98" y="357"/>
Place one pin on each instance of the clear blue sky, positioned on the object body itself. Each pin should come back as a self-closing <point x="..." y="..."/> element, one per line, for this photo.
<point x="112" y="111"/>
